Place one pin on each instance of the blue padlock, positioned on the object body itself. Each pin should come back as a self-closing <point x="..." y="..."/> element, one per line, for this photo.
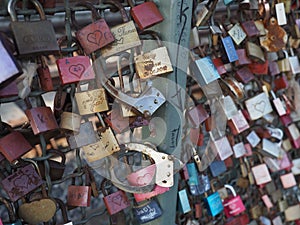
<point x="148" y="212"/>
<point x="229" y="49"/>
<point x="193" y="181"/>
<point x="184" y="204"/>
<point x="217" y="168"/>
<point x="214" y="204"/>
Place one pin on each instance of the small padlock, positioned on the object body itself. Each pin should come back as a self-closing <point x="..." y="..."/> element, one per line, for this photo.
<point x="261" y="172"/>
<point x="250" y="28"/>
<point x="30" y="181"/>
<point x="41" y="118"/>
<point x="106" y="145"/>
<point x="292" y="213"/>
<point x="73" y="69"/>
<point x="85" y="136"/>
<point x="95" y="35"/>
<point x="155" y="62"/>
<point x="184" y="205"/>
<point x="197" y="115"/>
<point x="288" y="180"/>
<point x="233" y="205"/>
<point x="244" y="75"/>
<point x="217" y="167"/>
<point x="116" y="201"/>
<point x="116" y="121"/>
<point x="243" y="58"/>
<point x="79" y="195"/>
<point x="146" y="14"/>
<point x="13" y="145"/>
<point x="12" y="68"/>
<point x="214" y="204"/>
<point x="238" y="123"/>
<point x="36" y="37"/>
<point x="147" y="211"/>
<point x="11" y="214"/>
<point x="125" y="34"/>
<point x="223" y="147"/>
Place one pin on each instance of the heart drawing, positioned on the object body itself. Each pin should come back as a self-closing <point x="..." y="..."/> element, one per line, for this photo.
<point x="117" y="200"/>
<point x="260" y="106"/>
<point x="22" y="182"/>
<point x="95" y="37"/>
<point x="77" y="70"/>
<point x="144" y="180"/>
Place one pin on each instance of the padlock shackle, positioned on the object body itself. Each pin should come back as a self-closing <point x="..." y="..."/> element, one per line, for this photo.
<point x="231" y="189"/>
<point x="11" y="8"/>
<point x="63" y="209"/>
<point x="154" y="34"/>
<point x="95" y="14"/>
<point x="117" y="4"/>
<point x="64" y="39"/>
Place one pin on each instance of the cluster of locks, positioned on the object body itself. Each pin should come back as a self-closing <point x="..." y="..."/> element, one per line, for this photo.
<point x="238" y="139"/>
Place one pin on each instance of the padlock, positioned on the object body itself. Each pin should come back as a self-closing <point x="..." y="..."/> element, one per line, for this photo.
<point x="197" y="115"/>
<point x="223" y="147"/>
<point x="244" y="75"/>
<point x="238" y="123"/>
<point x="11" y="214"/>
<point x="106" y="144"/>
<point x="13" y="69"/>
<point x="233" y="205"/>
<point x="270" y="148"/>
<point x="217" y="167"/>
<point x="146" y="14"/>
<point x="64" y="212"/>
<point x="44" y="74"/>
<point x="36" y="37"/>
<point x="277" y="221"/>
<point x="292" y="213"/>
<point x="258" y="106"/>
<point x="214" y="204"/>
<point x="125" y="34"/>
<point x="79" y="195"/>
<point x="184" y="205"/>
<point x="116" y="201"/>
<point x="193" y="181"/>
<point x="91" y="101"/>
<point x="239" y="149"/>
<point x="293" y="133"/>
<point x="157" y="190"/>
<point x="237" y="34"/>
<point x="221" y="68"/>
<point x="85" y="136"/>
<point x="147" y="211"/>
<point x="73" y="69"/>
<point x="116" y="121"/>
<point x="261" y="172"/>
<point x="56" y="168"/>
<point x="70" y="121"/>
<point x="143" y="176"/>
<point x="13" y="145"/>
<point x="230" y="55"/>
<point x="283" y="63"/>
<point x="30" y="181"/>
<point x="255" y="52"/>
<point x="40" y="202"/>
<point x="250" y="28"/>
<point x="155" y="62"/>
<point x="243" y="58"/>
<point x="281" y="82"/>
<point x="267" y="201"/>
<point x="294" y="62"/>
<point x="41" y="118"/>
<point x="273" y="68"/>
<point x="10" y="90"/>
<point x="288" y="180"/>
<point x="93" y="36"/>
<point x="204" y="70"/>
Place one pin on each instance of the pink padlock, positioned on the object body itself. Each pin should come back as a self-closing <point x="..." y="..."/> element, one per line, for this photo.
<point x="145" y="196"/>
<point x="142" y="177"/>
<point x="233" y="205"/>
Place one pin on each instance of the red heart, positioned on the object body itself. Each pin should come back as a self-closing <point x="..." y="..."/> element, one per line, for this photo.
<point x="144" y="180"/>
<point x="95" y="37"/>
<point x="77" y="70"/>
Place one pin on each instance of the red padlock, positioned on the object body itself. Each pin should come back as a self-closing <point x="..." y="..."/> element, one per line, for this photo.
<point x="233" y="205"/>
<point x="146" y="14"/>
<point x="44" y="74"/>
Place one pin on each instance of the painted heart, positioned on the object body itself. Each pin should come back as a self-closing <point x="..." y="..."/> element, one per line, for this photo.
<point x="22" y="182"/>
<point x="144" y="180"/>
<point x="95" y="37"/>
<point x="77" y="70"/>
<point x="232" y="206"/>
<point x="260" y="106"/>
<point x="117" y="200"/>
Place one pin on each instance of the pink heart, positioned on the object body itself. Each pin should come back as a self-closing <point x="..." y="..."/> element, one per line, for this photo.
<point x="95" y="37"/>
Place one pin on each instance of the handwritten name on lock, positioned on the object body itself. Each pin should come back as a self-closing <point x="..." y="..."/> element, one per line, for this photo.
<point x="21" y="182"/>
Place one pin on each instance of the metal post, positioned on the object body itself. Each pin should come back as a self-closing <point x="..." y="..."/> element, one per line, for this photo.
<point x="175" y="32"/>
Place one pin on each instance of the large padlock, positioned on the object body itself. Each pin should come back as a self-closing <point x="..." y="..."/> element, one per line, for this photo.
<point x="12" y="68"/>
<point x="14" y="145"/>
<point x="21" y="182"/>
<point x="91" y="101"/>
<point x="106" y="144"/>
<point x="41" y="118"/>
<point x="95" y="35"/>
<point x="147" y="212"/>
<point x="116" y="201"/>
<point x="36" y="37"/>
<point x="125" y="34"/>
<point x="11" y="214"/>
<point x="155" y="62"/>
<point x="73" y="69"/>
<point x="233" y="205"/>
<point x="146" y="14"/>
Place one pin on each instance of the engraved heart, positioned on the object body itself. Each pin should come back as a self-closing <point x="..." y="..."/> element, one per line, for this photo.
<point x="144" y="180"/>
<point x="260" y="106"/>
<point x="77" y="70"/>
<point x="22" y="182"/>
<point x="95" y="37"/>
<point x="117" y="200"/>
